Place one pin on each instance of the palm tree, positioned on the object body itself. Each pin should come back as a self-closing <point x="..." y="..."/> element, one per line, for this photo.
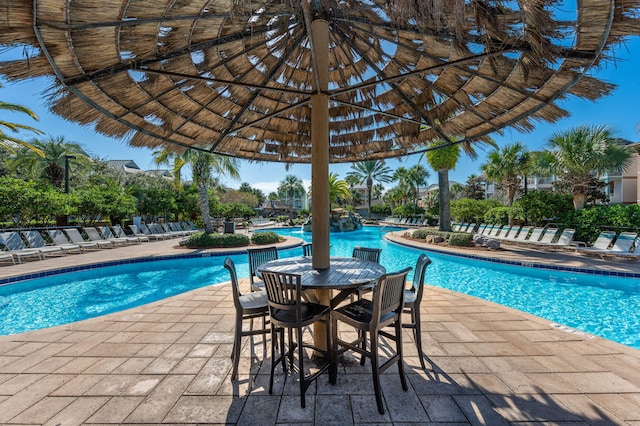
<point x="417" y="177"/>
<point x="505" y="166"/>
<point x="10" y="142"/>
<point x="291" y="186"/>
<point x="203" y="166"/>
<point x="338" y="189"/>
<point x="176" y="161"/>
<point x="366" y="172"/>
<point x="49" y="158"/>
<point x="580" y="153"/>
<point x="443" y="159"/>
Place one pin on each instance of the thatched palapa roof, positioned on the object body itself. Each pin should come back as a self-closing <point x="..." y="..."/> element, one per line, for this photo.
<point x="236" y="77"/>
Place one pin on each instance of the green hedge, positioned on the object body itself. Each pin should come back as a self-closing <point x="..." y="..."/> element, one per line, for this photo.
<point x="266" y="237"/>
<point x="204" y="240"/>
<point x="458" y="239"/>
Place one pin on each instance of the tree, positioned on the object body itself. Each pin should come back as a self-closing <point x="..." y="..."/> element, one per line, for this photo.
<point x="338" y="189"/>
<point x="291" y="187"/>
<point x="51" y="164"/>
<point x="417" y="177"/>
<point x="473" y="188"/>
<point x="575" y="156"/>
<point x="366" y="172"/>
<point x="245" y="187"/>
<point x="203" y="166"/>
<point x="505" y="166"/>
<point x="442" y="159"/>
<point x="11" y="142"/>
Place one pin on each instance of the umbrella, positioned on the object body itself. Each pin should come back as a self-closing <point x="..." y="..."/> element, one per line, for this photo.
<point x="313" y="81"/>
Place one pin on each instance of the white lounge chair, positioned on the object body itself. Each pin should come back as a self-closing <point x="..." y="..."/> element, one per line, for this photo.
<point x="547" y="237"/>
<point x="522" y="235"/>
<point x="108" y="234"/>
<point x="94" y="235"/>
<point x="137" y="231"/>
<point x="16" y="247"/>
<point x="511" y="235"/>
<point x="564" y="241"/>
<point x="76" y="238"/>
<point x="58" y="238"/>
<point x="602" y="243"/>
<point x="35" y="241"/>
<point x="534" y="237"/>
<point x="621" y="246"/>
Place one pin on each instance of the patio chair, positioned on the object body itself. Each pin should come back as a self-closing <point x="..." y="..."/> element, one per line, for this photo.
<point x="142" y="230"/>
<point x="35" y="241"/>
<point x="471" y="229"/>
<point x="504" y="231"/>
<point x="412" y="300"/>
<point x="76" y="238"/>
<point x="248" y="307"/>
<point x="511" y="234"/>
<point x="534" y="237"/>
<point x="58" y="238"/>
<point x="307" y="249"/>
<point x="108" y="234"/>
<point x="621" y="246"/>
<point x="601" y="243"/>
<point x="172" y="229"/>
<point x="95" y="236"/>
<point x="287" y="310"/>
<point x="5" y="255"/>
<point x="16" y="247"/>
<point x="370" y="254"/>
<point x="372" y="316"/>
<point x="547" y="237"/>
<point x="258" y="256"/>
<point x="522" y="235"/>
<point x="155" y="228"/>
<point x="119" y="233"/>
<point x="481" y="229"/>
<point x="564" y="240"/>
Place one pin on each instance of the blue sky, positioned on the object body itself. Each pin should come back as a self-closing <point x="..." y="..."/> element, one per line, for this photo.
<point x="619" y="110"/>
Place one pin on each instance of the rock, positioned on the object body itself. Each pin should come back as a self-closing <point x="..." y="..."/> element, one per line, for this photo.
<point x="433" y="239"/>
<point x="492" y="244"/>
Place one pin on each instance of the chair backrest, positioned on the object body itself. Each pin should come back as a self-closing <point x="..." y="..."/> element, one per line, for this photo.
<point x="258" y="256"/>
<point x="145" y="229"/>
<point x="624" y="242"/>
<point x="471" y="228"/>
<point x="284" y="293"/>
<point x="457" y="227"/>
<point x="547" y="238"/>
<point x="535" y="235"/>
<point x="603" y="240"/>
<point x="118" y="231"/>
<point x="367" y="253"/>
<point x="34" y="239"/>
<point x="566" y="237"/>
<point x="74" y="235"/>
<point x="388" y="297"/>
<point x="231" y="267"/>
<point x="492" y="230"/>
<point x="93" y="234"/>
<point x="57" y="236"/>
<point x="107" y="233"/>
<point x="12" y="240"/>
<point x="417" y="286"/>
<point x="307" y="249"/>
<point x="504" y="231"/>
<point x="512" y="233"/>
<point x="523" y="234"/>
<point x="481" y="229"/>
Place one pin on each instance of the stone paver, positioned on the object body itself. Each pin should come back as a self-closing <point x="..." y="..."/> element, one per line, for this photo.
<point x="169" y="363"/>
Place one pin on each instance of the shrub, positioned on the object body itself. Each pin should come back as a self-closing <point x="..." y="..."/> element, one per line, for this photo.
<point x="536" y="206"/>
<point x="589" y="222"/>
<point x="460" y="239"/>
<point x="266" y="237"/>
<point x="204" y="240"/>
<point x="498" y="215"/>
<point x="381" y="209"/>
<point x="407" y="210"/>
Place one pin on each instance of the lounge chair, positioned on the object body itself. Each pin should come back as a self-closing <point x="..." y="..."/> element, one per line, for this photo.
<point x="503" y="232"/>
<point x="534" y="237"/>
<point x="151" y="233"/>
<point x="94" y="235"/>
<point x="564" y="241"/>
<point x="76" y="238"/>
<point x="5" y="255"/>
<point x="165" y="227"/>
<point x="481" y="229"/>
<point x="621" y="246"/>
<point x="58" y="238"/>
<point x="108" y="235"/>
<point x="511" y="233"/>
<point x="119" y="233"/>
<point x="547" y="237"/>
<point x="137" y="231"/>
<point x="471" y="228"/>
<point x="521" y="236"/>
<point x="602" y="243"/>
<point x="35" y="241"/>
<point x="16" y="247"/>
<point x="456" y="227"/>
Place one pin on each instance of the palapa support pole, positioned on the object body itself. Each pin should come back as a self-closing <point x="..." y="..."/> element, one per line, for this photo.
<point x="320" y="146"/>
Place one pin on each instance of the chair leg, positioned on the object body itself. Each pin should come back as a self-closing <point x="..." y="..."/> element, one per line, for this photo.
<point x="375" y="370"/>
<point x="363" y="335"/>
<point x="291" y="349"/>
<point x="417" y="333"/>
<point x="303" y="384"/>
<point x="333" y="372"/>
<point x="264" y="336"/>
<point x="403" y="379"/>
<point x="273" y="356"/>
<point x="237" y="344"/>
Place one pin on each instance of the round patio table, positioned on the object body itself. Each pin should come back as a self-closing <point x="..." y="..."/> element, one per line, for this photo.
<point x="344" y="274"/>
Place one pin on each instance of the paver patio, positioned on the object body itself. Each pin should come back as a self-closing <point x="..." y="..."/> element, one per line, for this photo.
<point x="169" y="362"/>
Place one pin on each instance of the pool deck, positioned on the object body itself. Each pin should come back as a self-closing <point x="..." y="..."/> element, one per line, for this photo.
<point x="168" y="362"/>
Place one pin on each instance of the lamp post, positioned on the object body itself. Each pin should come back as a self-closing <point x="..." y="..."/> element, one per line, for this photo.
<point x="66" y="171"/>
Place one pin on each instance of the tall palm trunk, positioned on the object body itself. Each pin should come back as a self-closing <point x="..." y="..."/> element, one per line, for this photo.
<point x="444" y="199"/>
<point x="369" y="188"/>
<point x="203" y="203"/>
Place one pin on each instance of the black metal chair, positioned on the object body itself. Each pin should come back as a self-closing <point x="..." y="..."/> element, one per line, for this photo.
<point x="370" y="254"/>
<point x="412" y="300"/>
<point x="287" y="310"/>
<point x="258" y="256"/>
<point x="248" y="307"/>
<point x="372" y="316"/>
<point x="307" y="249"/>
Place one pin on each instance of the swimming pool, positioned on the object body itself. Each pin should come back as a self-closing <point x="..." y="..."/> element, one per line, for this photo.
<point x="602" y="305"/>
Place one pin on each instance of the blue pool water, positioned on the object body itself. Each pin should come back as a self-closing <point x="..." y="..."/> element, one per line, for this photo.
<point x="601" y="305"/>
